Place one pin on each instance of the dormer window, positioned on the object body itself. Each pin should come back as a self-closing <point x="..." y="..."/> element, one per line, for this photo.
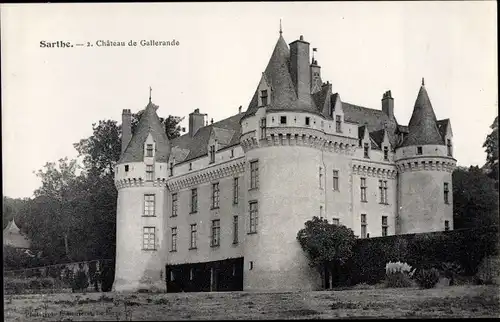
<point x="448" y="146"/>
<point x="366" y="151"/>
<point x="212" y="153"/>
<point x="386" y="153"/>
<point x="308" y="120"/>
<point x="338" y="124"/>
<point x="419" y="150"/>
<point x="149" y="150"/>
<point x="263" y="97"/>
<point x="282" y="119"/>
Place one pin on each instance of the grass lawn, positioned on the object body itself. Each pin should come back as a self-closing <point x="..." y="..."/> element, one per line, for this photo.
<point x="455" y="301"/>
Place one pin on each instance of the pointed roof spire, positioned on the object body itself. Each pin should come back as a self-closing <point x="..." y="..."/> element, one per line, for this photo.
<point x="423" y="128"/>
<point x="150" y="90"/>
<point x="423" y="82"/>
<point x="281" y="30"/>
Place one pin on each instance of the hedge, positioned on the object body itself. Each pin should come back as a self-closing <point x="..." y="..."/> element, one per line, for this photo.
<point x="466" y="247"/>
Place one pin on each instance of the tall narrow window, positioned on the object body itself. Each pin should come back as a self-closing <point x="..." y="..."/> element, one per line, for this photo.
<point x="363" y="226"/>
<point x="338" y="123"/>
<point x="363" y="189"/>
<point x="215" y="233"/>
<point x="149" y="173"/>
<point x="263" y="128"/>
<point x="173" y="246"/>
<point x="449" y="147"/>
<point x="446" y="225"/>
<point x="419" y="150"/>
<point x="171" y="168"/>
<point x="149" y="205"/>
<point x="190" y="166"/>
<point x="212" y="153"/>
<point x="381" y="191"/>
<point x="366" y="150"/>
<point x="253" y="217"/>
<point x="236" y="191"/>
<point x="386" y="200"/>
<point x="336" y="180"/>
<point x="254" y="174"/>
<point x="192" y="241"/>
<point x="282" y="119"/>
<point x="386" y="153"/>
<point x="320" y="211"/>
<point x="235" y="229"/>
<point x="149" y="150"/>
<point x="446" y="193"/>
<point x="175" y="204"/>
<point x="232" y="153"/>
<point x="194" y="200"/>
<point x="126" y="168"/>
<point x="263" y="97"/>
<point x="320" y="177"/>
<point x="384" y="226"/>
<point x="215" y="195"/>
<point x="148" y="241"/>
<point x="335" y="221"/>
<point x="308" y="120"/>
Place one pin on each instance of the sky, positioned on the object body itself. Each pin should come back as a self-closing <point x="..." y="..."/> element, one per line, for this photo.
<point x="51" y="96"/>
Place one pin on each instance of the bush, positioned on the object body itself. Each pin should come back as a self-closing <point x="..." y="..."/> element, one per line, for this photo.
<point x="489" y="271"/>
<point x="427" y="278"/>
<point x="451" y="271"/>
<point x="81" y="281"/>
<point x="398" y="275"/>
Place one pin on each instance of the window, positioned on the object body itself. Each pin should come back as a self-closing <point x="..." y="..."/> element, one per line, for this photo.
<point x="383" y="191"/>
<point x="336" y="180"/>
<point x="263" y="128"/>
<point x="263" y="96"/>
<point x="363" y="189"/>
<point x="235" y="229"/>
<point x="384" y="226"/>
<point x="149" y="173"/>
<point x="126" y="168"/>
<point x="193" y="237"/>
<point x="366" y="151"/>
<point x="386" y="153"/>
<point x="149" y="150"/>
<point x="212" y="153"/>
<point x="282" y="119"/>
<point x="149" y="205"/>
<point x="191" y="273"/>
<point x="171" y="168"/>
<point x="338" y="123"/>
<point x="320" y="177"/>
<point x="175" y="204"/>
<point x="253" y="217"/>
<point x="336" y="221"/>
<point x="446" y="193"/>
<point x="448" y="146"/>
<point x="190" y="166"/>
<point x="215" y="195"/>
<point x="254" y="174"/>
<point x="232" y="153"/>
<point x="307" y="120"/>
<point x="173" y="246"/>
<point x="320" y="211"/>
<point x="363" y="226"/>
<point x="236" y="191"/>
<point x="250" y="265"/>
<point x="194" y="200"/>
<point x="446" y="225"/>
<point x="148" y="241"/>
<point x="215" y="233"/>
<point x="419" y="150"/>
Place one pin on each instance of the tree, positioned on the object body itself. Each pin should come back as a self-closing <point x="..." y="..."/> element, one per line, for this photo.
<point x="171" y="123"/>
<point x="491" y="145"/>
<point x="475" y="199"/>
<point x="327" y="246"/>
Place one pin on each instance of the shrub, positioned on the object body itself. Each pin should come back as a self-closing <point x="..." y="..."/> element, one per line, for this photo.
<point x="81" y="281"/>
<point x="427" y="278"/>
<point x="489" y="271"/>
<point x="451" y="271"/>
<point x="398" y="274"/>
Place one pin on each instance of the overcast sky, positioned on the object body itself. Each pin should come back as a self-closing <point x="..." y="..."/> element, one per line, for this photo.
<point x="51" y="97"/>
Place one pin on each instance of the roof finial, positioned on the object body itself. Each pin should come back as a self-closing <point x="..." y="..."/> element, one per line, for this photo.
<point x="150" y="90"/>
<point x="423" y="82"/>
<point x="281" y="30"/>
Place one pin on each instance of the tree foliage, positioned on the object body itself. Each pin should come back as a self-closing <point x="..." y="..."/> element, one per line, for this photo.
<point x="326" y="244"/>
<point x="475" y="199"/>
<point x="491" y="145"/>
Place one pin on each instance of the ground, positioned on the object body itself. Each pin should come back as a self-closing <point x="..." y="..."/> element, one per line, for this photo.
<point x="453" y="302"/>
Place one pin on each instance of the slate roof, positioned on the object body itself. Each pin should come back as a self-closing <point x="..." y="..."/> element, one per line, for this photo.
<point x="423" y="128"/>
<point x="378" y="136"/>
<point x="198" y="144"/>
<point x="149" y="123"/>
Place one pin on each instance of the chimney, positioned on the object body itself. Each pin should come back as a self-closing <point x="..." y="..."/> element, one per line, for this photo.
<point x="126" y="128"/>
<point x="388" y="104"/>
<point x="300" y="69"/>
<point x="195" y="121"/>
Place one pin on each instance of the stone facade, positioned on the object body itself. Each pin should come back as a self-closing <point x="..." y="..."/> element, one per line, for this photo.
<point x="242" y="188"/>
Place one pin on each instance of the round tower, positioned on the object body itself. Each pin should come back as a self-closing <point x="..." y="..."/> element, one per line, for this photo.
<point x="425" y="166"/>
<point x="140" y="177"/>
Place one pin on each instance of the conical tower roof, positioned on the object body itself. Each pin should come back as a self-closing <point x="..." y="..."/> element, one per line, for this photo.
<point x="423" y="128"/>
<point x="149" y="123"/>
